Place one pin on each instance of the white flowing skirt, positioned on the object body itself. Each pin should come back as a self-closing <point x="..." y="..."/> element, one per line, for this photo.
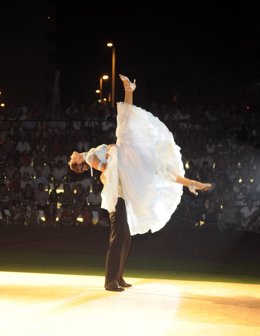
<point x="148" y="162"/>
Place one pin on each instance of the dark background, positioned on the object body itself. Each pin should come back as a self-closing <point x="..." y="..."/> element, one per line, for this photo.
<point x="168" y="48"/>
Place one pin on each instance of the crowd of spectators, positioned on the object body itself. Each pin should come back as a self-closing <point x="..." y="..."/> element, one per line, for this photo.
<point x="219" y="144"/>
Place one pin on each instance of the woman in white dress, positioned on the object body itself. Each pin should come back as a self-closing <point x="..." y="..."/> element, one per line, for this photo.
<point x="144" y="169"/>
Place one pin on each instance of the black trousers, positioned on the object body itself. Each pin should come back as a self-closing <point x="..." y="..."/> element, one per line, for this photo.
<point x="119" y="244"/>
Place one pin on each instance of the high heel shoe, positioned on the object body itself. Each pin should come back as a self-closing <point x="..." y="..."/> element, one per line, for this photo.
<point x="131" y="86"/>
<point x="205" y="187"/>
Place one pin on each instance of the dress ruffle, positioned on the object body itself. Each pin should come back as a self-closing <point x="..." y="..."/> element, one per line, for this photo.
<point x="148" y="162"/>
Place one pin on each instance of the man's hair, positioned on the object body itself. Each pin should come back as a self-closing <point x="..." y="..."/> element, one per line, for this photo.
<point x="78" y="168"/>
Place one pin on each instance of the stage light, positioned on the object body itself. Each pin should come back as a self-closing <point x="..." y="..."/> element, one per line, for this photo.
<point x="60" y="189"/>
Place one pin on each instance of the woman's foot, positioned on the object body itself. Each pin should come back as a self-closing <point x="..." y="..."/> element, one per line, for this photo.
<point x="195" y="185"/>
<point x="129" y="86"/>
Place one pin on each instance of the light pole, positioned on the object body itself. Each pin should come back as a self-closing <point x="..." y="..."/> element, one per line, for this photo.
<point x="113" y="73"/>
<point x="105" y="77"/>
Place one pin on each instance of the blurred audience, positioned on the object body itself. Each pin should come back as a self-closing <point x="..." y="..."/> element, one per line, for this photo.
<point x="219" y="144"/>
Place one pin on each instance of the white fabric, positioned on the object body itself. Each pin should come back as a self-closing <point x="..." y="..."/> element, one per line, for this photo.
<point x="147" y="160"/>
<point x="100" y="152"/>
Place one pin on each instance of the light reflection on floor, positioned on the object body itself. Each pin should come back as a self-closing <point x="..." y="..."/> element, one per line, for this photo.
<point x="60" y="305"/>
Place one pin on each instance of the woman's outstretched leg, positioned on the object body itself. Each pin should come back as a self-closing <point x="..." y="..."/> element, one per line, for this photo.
<point x="193" y="185"/>
<point x="129" y="89"/>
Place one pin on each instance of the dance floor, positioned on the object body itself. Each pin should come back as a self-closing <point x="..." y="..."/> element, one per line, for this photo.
<point x="61" y="305"/>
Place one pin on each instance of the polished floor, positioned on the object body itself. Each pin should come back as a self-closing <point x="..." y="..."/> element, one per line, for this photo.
<point x="61" y="305"/>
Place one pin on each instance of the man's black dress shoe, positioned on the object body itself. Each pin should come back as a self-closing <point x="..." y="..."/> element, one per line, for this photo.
<point x="124" y="284"/>
<point x="114" y="287"/>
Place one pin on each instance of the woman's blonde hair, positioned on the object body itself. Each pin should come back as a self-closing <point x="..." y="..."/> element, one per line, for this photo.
<point x="78" y="168"/>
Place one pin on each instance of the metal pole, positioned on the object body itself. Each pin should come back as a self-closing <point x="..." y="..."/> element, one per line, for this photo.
<point x="100" y="88"/>
<point x="113" y="76"/>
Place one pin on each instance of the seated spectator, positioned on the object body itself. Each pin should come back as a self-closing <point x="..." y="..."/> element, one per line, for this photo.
<point x="229" y="216"/>
<point x="26" y="179"/>
<point x="38" y="158"/>
<point x="59" y="171"/>
<point x="211" y="215"/>
<point x="83" y="145"/>
<point x="94" y="197"/>
<point x="67" y="197"/>
<point x="15" y="182"/>
<point x="28" y="194"/>
<point x="210" y="147"/>
<point x="9" y="145"/>
<point x="72" y="111"/>
<point x="67" y="216"/>
<point x="55" y="147"/>
<point x="41" y="145"/>
<point x="23" y="144"/>
<point x="241" y="196"/>
<point x="5" y="197"/>
<point x="197" y="208"/>
<point x="40" y="179"/>
<point x="46" y="170"/>
<point x="25" y="158"/>
<point x="21" y="215"/>
<point x="27" y="167"/>
<point x="84" y="216"/>
<point x="79" y="195"/>
<point x="10" y="168"/>
<point x="104" y="218"/>
<point x="205" y="172"/>
<point x="41" y="196"/>
<point x="249" y="216"/>
<point x="52" y="211"/>
<point x="60" y="156"/>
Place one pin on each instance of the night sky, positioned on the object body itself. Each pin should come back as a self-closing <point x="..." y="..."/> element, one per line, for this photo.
<point x="166" y="49"/>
